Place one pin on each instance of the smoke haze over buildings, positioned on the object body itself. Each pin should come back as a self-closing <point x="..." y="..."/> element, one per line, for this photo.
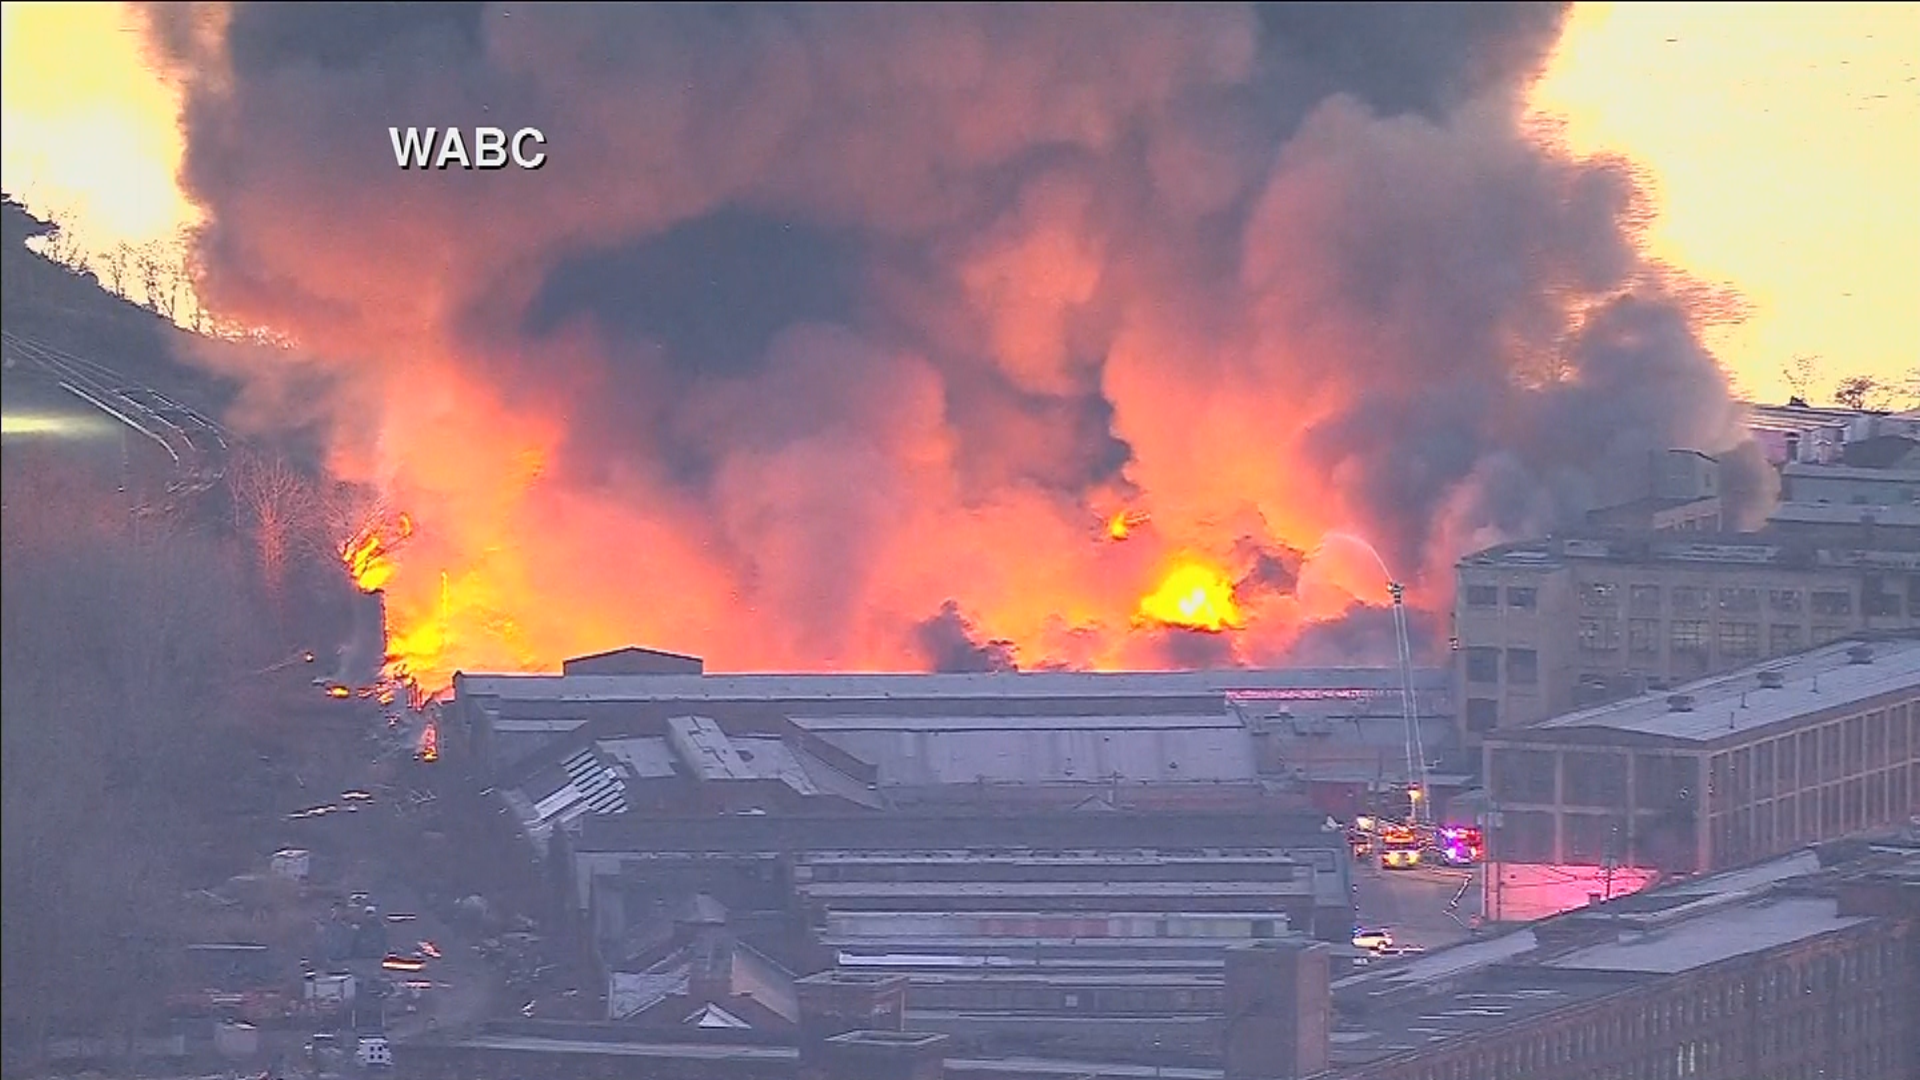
<point x="834" y="335"/>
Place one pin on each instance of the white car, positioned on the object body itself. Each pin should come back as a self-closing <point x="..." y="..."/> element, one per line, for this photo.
<point x="1372" y="940"/>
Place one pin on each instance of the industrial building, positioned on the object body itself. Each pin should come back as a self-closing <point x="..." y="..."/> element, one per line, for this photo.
<point x="1093" y="933"/>
<point x="1807" y="966"/>
<point x="1548" y="626"/>
<point x="1798" y="432"/>
<point x="925" y="732"/>
<point x="1058" y="865"/>
<point x="1804" y="966"/>
<point x="1714" y="774"/>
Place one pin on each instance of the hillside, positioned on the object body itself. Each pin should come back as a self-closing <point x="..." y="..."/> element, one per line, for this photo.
<point x="69" y="310"/>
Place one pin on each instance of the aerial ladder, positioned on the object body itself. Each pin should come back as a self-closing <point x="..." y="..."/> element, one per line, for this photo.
<point x="1419" y="815"/>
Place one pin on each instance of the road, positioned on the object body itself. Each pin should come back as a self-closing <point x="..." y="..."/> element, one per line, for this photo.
<point x="1418" y="906"/>
<point x="196" y="445"/>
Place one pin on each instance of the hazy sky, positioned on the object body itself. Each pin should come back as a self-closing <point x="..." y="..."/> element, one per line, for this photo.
<point x="1783" y="140"/>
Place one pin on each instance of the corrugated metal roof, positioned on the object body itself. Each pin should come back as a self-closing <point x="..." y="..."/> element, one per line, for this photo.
<point x="1046" y="752"/>
<point x="1050" y="684"/>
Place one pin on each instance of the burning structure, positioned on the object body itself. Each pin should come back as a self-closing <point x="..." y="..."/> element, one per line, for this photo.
<point x="953" y="338"/>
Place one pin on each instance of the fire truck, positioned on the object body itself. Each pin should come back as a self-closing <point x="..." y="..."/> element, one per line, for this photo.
<point x="1400" y="847"/>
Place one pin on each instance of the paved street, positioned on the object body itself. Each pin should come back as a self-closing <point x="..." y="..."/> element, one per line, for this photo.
<point x="1417" y="906"/>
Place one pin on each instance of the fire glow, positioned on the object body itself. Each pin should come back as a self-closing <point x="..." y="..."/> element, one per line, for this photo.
<point x="369" y="553"/>
<point x="1195" y="597"/>
<point x="1143" y="287"/>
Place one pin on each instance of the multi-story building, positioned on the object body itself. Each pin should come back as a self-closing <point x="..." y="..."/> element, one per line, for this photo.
<point x="1849" y="485"/>
<point x="1797" y="969"/>
<point x="1804" y="967"/>
<point x="1717" y="774"/>
<point x="1797" y="431"/>
<point x="1552" y="625"/>
<point x="1683" y="495"/>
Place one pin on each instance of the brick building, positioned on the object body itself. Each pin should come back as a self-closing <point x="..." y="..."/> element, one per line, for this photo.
<point x="1547" y="626"/>
<point x="1720" y="773"/>
<point x="1799" y="976"/>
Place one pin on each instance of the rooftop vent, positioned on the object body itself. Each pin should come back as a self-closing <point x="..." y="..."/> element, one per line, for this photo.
<point x="1772" y="680"/>
<point x="1679" y="702"/>
<point x="1860" y="654"/>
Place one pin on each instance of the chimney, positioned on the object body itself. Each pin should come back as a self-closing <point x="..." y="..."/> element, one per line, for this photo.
<point x="1679" y="702"/>
<point x="1860" y="654"/>
<point x="884" y="1055"/>
<point x="710" y="976"/>
<point x="1772" y="680"/>
<point x="835" y="1003"/>
<point x="1279" y="1010"/>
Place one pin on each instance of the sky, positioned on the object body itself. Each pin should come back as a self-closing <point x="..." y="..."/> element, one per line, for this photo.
<point x="1021" y="270"/>
<point x="1782" y="142"/>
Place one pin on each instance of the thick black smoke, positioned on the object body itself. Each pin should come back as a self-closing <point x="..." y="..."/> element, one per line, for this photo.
<point x="947" y="641"/>
<point x="842" y="311"/>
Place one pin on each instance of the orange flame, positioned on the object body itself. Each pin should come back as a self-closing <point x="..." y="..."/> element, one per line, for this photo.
<point x="369" y="554"/>
<point x="430" y="743"/>
<point x="1122" y="524"/>
<point x="1194" y="596"/>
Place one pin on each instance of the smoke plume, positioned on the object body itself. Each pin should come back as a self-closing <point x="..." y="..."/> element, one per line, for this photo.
<point x="849" y="336"/>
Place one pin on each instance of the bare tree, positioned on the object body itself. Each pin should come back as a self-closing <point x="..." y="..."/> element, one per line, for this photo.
<point x="1861" y="392"/>
<point x="120" y="653"/>
<point x="280" y="509"/>
<point x="62" y="244"/>
<point x="117" y="264"/>
<point x="1799" y="376"/>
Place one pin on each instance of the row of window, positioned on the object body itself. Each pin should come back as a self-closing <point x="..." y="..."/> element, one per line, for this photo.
<point x="1838" y="750"/>
<point x="1802" y="1016"/>
<point x="1605" y="596"/>
<point x="1732" y="641"/>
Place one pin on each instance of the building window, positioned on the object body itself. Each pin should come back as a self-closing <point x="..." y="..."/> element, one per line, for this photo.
<point x="1785" y="601"/>
<point x="1827" y="635"/>
<point x="1524" y="597"/>
<point x="1739" y="640"/>
<point x="1690" y="601"/>
<point x="1740" y="601"/>
<point x="1483" y="664"/>
<point x="1523" y="667"/>
<point x="1644" y="600"/>
<point x="1688" y="635"/>
<point x="1782" y="638"/>
<point x="1483" y="596"/>
<point x="1599" y="635"/>
<point x="1643" y="637"/>
<point x="1832" y="602"/>
<point x="1483" y="714"/>
<point x="1884" y="604"/>
<point x="1600" y="596"/>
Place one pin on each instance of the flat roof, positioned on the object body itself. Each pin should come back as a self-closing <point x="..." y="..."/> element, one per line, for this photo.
<point x="1119" y="857"/>
<point x="1481" y="1002"/>
<point x="1814" y="470"/>
<point x="818" y="687"/>
<point x="1028" y="1066"/>
<point x="1793" y="512"/>
<point x="1454" y="992"/>
<point x="1812" y="682"/>
<point x="848" y="890"/>
<point x="1715" y="936"/>
<point x="1700" y="549"/>
<point x="833" y="725"/>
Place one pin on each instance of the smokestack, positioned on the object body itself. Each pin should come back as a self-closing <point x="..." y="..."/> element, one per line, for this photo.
<point x="1279" y="1010"/>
